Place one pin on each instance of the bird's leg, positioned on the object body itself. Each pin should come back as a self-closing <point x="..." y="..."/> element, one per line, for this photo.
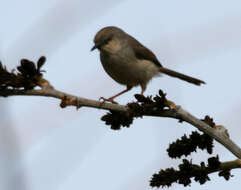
<point x="143" y="88"/>
<point x="111" y="99"/>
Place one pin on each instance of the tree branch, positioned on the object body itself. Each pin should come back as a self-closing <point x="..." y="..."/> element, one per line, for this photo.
<point x="67" y="99"/>
<point x="230" y="165"/>
<point x="219" y="133"/>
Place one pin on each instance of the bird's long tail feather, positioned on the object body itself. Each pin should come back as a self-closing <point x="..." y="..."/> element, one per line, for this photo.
<point x="181" y="76"/>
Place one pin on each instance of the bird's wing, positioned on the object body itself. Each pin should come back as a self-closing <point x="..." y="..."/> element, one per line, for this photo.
<point x="142" y="52"/>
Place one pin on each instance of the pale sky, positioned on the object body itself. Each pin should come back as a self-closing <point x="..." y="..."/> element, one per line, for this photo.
<point x="45" y="147"/>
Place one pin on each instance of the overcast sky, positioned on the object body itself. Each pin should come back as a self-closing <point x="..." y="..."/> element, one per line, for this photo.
<point x="45" y="147"/>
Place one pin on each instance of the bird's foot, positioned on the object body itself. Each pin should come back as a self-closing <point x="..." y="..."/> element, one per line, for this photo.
<point x="111" y="100"/>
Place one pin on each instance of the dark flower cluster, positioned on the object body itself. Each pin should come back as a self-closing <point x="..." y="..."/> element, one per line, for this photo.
<point x="208" y="120"/>
<point x="27" y="76"/>
<point x="147" y="105"/>
<point x="186" y="171"/>
<point x="117" y="119"/>
<point x="186" y="145"/>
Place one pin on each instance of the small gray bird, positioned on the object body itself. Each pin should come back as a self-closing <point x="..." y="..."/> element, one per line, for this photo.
<point x="130" y="63"/>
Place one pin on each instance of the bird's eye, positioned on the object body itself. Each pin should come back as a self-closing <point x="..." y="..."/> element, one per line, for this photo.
<point x="106" y="41"/>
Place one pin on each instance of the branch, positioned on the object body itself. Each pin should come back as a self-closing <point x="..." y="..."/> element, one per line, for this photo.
<point x="219" y="133"/>
<point x="229" y="165"/>
<point x="67" y="99"/>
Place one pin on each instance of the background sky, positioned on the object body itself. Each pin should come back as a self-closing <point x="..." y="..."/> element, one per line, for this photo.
<point x="45" y="147"/>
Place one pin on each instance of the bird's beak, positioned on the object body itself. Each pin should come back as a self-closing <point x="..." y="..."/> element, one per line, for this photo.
<point x="94" y="47"/>
<point x="97" y="45"/>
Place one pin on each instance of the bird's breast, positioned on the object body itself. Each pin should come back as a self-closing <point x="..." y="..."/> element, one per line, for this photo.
<point x="126" y="69"/>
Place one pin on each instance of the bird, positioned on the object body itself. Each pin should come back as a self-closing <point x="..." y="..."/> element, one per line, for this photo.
<point x="129" y="62"/>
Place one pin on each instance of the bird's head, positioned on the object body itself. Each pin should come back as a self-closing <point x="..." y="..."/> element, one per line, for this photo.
<point x="107" y="39"/>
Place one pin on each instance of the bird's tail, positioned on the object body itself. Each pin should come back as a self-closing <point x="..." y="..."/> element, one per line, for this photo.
<point x="181" y="76"/>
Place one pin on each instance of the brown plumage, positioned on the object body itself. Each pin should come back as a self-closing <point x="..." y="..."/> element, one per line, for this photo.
<point x="129" y="62"/>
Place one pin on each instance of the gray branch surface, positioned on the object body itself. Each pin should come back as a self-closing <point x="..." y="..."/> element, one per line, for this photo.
<point x="219" y="133"/>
